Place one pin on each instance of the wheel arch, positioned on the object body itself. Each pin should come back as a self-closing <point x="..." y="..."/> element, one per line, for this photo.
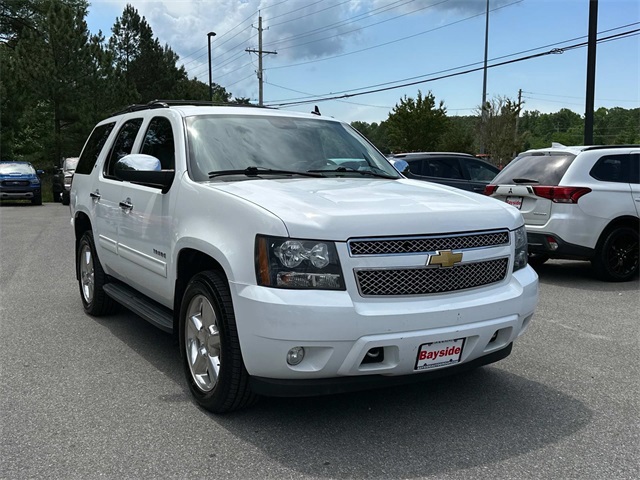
<point x="81" y="224"/>
<point x="624" y="221"/>
<point x="190" y="262"/>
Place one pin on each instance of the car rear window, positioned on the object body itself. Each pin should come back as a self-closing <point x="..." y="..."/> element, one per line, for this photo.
<point x="541" y="169"/>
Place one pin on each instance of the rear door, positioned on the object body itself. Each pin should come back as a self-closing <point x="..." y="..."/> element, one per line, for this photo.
<point x="518" y="181"/>
<point x="635" y="179"/>
<point x="106" y="198"/>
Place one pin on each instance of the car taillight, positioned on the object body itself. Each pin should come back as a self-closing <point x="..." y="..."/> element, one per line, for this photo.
<point x="489" y="189"/>
<point x="561" y="194"/>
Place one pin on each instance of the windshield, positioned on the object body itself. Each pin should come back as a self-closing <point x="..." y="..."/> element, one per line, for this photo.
<point x="21" y="168"/>
<point x="541" y="169"/>
<point x="71" y="163"/>
<point x="219" y="143"/>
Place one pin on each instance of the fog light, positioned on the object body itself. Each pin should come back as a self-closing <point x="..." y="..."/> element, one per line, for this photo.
<point x="295" y="355"/>
<point x="553" y="243"/>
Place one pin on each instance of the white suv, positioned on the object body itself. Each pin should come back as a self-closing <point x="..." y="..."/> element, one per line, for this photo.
<point x="578" y="203"/>
<point x="288" y="256"/>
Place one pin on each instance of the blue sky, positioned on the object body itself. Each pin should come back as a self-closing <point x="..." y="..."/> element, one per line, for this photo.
<point x="331" y="46"/>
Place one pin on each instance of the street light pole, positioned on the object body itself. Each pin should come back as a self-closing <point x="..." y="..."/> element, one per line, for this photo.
<point x="209" y="35"/>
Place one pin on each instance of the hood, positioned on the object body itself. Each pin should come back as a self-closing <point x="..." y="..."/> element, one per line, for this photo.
<point x="343" y="208"/>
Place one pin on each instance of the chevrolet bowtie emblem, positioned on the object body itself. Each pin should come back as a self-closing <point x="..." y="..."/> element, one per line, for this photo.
<point x="444" y="258"/>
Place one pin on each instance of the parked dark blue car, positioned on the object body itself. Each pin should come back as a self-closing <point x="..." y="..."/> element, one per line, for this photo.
<point x="20" y="181"/>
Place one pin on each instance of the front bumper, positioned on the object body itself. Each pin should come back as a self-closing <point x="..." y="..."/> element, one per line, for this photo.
<point x="7" y="193"/>
<point x="337" y="331"/>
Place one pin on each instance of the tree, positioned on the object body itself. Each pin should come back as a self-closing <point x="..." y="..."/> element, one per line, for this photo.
<point x="499" y="129"/>
<point x="52" y="63"/>
<point x="416" y="125"/>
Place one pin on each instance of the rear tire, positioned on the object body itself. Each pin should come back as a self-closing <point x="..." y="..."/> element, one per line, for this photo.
<point x="537" y="259"/>
<point x="65" y="198"/>
<point x="210" y="348"/>
<point x="91" y="279"/>
<point x="616" y="257"/>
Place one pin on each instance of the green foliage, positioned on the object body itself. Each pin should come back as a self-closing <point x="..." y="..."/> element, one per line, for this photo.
<point x="416" y="125"/>
<point x="58" y="80"/>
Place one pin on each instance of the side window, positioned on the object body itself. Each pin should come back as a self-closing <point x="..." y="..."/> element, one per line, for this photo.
<point x="479" y="172"/>
<point x="613" y="168"/>
<point x="92" y="149"/>
<point x="445" y="168"/>
<point x="415" y="167"/>
<point x="123" y="144"/>
<point x="635" y="168"/>
<point x="158" y="142"/>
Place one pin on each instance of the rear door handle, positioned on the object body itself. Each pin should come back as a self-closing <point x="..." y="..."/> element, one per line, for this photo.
<point x="95" y="195"/>
<point x="126" y="204"/>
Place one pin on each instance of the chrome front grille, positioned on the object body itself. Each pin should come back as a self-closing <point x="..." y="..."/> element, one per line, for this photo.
<point x="426" y="280"/>
<point x="426" y="244"/>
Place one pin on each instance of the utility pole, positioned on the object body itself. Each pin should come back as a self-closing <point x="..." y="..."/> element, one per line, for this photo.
<point x="515" y="136"/>
<point x="209" y="35"/>
<point x="260" y="52"/>
<point x="518" y="112"/>
<point x="591" y="72"/>
<point x="483" y="127"/>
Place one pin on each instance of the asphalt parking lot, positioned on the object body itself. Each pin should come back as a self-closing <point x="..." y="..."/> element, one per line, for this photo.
<point x="84" y="397"/>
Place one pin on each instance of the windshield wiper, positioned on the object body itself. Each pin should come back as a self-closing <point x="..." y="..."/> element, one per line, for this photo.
<point x="259" y="171"/>
<point x="524" y="180"/>
<point x="353" y="170"/>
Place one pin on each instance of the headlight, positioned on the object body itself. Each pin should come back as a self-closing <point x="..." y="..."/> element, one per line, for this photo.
<point x="520" y="261"/>
<point x="295" y="263"/>
<point x="35" y="181"/>
<point x="67" y="180"/>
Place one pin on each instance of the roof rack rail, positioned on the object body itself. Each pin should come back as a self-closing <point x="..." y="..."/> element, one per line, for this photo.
<point x="169" y="103"/>
<point x="600" y="147"/>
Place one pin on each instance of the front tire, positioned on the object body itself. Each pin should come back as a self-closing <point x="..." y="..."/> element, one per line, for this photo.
<point x="91" y="279"/>
<point x="37" y="199"/>
<point x="616" y="258"/>
<point x="210" y="348"/>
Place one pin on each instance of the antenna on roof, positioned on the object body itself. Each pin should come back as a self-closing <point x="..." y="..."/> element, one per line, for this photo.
<point x="557" y="145"/>
<point x="316" y="111"/>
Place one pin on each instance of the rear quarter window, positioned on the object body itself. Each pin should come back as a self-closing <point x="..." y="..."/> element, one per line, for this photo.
<point x="541" y="169"/>
<point x="93" y="147"/>
<point x="613" y="168"/>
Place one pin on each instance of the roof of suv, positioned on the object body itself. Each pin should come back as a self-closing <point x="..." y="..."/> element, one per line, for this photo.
<point x="192" y="107"/>
<point x="426" y="154"/>
<point x="576" y="149"/>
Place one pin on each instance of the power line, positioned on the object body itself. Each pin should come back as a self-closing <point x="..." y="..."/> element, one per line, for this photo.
<point x="569" y="96"/>
<point x="529" y="57"/>
<point x="462" y="66"/>
<point x="342" y="101"/>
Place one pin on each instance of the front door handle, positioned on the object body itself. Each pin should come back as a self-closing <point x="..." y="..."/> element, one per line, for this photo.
<point x="126" y="205"/>
<point x="95" y="195"/>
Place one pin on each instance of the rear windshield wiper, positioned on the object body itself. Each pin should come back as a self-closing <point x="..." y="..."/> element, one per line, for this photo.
<point x="353" y="170"/>
<point x="524" y="180"/>
<point x="258" y="171"/>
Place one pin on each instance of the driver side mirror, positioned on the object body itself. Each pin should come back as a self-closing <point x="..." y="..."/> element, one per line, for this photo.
<point x="145" y="170"/>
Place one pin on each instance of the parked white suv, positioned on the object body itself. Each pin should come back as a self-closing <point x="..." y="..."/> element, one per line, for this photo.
<point x="289" y="256"/>
<point x="578" y="203"/>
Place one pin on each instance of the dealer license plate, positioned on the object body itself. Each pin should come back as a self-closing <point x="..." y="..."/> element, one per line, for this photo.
<point x="515" y="201"/>
<point x="439" y="354"/>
